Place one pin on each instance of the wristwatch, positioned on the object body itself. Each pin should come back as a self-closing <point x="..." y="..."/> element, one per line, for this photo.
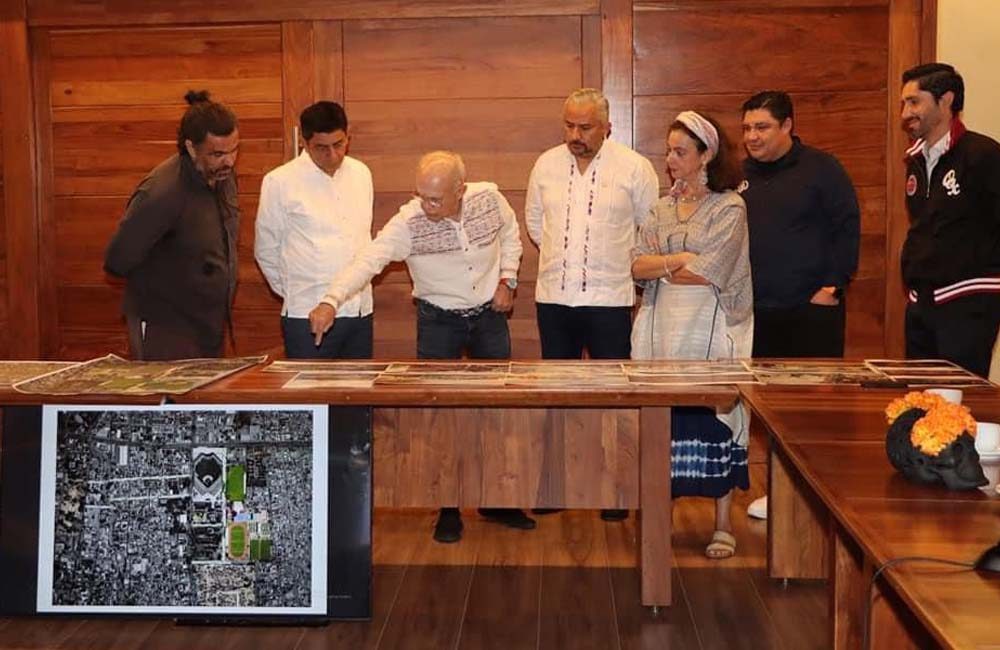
<point x="510" y="282"/>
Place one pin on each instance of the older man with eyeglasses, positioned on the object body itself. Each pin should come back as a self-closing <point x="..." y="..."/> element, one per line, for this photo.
<point x="462" y="246"/>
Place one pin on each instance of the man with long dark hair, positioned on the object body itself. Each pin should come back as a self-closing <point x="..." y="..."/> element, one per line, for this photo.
<point x="176" y="244"/>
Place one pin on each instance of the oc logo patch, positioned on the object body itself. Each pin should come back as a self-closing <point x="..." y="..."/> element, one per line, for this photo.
<point x="911" y="185"/>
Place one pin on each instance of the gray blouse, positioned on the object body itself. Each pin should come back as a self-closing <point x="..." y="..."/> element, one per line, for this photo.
<point x="717" y="233"/>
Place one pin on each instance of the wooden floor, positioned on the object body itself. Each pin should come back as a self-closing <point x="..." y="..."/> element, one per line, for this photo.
<point x="569" y="584"/>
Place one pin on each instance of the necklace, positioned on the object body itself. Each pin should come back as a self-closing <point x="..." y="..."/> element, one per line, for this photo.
<point x="687" y="198"/>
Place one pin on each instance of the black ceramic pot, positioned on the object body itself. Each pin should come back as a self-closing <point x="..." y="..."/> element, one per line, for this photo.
<point x="957" y="465"/>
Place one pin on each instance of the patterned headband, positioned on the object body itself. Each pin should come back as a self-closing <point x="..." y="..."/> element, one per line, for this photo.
<point x="703" y="129"/>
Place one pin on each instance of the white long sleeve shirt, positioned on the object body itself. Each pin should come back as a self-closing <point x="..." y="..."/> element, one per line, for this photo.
<point x="453" y="264"/>
<point x="310" y="226"/>
<point x="585" y="224"/>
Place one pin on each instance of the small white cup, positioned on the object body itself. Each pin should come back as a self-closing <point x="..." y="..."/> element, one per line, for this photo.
<point x="987" y="436"/>
<point x="952" y="395"/>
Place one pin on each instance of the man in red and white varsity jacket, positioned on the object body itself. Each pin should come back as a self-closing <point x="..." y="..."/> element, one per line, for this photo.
<point x="951" y="257"/>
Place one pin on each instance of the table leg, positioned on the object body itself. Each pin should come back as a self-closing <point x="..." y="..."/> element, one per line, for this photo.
<point x="796" y="524"/>
<point x="655" y="557"/>
<point x="850" y="575"/>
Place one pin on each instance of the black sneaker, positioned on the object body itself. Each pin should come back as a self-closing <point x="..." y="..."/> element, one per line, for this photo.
<point x="448" y="528"/>
<point x="546" y="511"/>
<point x="510" y="517"/>
<point x="609" y="514"/>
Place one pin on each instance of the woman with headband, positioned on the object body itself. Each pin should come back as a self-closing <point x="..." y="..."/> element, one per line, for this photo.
<point x="694" y="266"/>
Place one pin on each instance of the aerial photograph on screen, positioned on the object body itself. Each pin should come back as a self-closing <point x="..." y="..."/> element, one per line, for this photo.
<point x="182" y="508"/>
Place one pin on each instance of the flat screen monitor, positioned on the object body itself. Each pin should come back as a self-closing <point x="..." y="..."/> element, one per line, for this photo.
<point x="219" y="513"/>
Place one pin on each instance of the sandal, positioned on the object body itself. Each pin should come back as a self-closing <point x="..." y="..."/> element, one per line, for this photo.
<point x="722" y="546"/>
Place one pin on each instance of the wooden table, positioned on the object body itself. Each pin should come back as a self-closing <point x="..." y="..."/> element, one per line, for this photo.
<point x="513" y="446"/>
<point x="838" y="510"/>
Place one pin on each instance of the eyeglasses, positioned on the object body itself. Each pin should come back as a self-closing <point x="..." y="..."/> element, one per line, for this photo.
<point x="429" y="202"/>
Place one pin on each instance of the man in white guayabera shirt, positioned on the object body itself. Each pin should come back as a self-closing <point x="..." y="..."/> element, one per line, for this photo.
<point x="585" y="199"/>
<point x="461" y="244"/>
<point x="315" y="214"/>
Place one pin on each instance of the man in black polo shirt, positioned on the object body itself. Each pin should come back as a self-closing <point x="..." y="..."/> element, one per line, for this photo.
<point x="176" y="244"/>
<point x="951" y="257"/>
<point x="804" y="225"/>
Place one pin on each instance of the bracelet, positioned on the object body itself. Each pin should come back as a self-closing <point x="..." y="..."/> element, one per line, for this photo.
<point x="667" y="273"/>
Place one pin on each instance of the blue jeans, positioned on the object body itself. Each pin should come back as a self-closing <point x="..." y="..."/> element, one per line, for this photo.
<point x="349" y="338"/>
<point x="445" y="335"/>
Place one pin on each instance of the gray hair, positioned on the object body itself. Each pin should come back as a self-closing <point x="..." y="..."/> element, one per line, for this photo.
<point x="592" y="96"/>
<point x="448" y="162"/>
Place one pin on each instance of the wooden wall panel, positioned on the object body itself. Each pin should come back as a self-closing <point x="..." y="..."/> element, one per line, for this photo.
<point x="114" y="103"/>
<point x="809" y="49"/>
<point x="831" y="56"/>
<point x="429" y="59"/>
<point x="127" y="12"/>
<point x="484" y="79"/>
<point x="4" y="343"/>
<point x="21" y="250"/>
<point x="498" y="138"/>
<point x="905" y="51"/>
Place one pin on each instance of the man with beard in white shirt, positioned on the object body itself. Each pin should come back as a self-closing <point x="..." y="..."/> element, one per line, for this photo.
<point x="315" y="214"/>
<point x="585" y="200"/>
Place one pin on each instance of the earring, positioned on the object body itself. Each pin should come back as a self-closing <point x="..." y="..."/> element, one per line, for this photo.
<point x="703" y="176"/>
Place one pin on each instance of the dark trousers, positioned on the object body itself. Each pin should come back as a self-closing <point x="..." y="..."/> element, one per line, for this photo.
<point x="565" y="332"/>
<point x="349" y="338"/>
<point x="445" y="335"/>
<point x="804" y="331"/>
<point x="148" y="341"/>
<point x="962" y="331"/>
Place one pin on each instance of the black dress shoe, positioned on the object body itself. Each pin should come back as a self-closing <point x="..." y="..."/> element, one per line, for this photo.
<point x="609" y="514"/>
<point x="510" y="517"/>
<point x="546" y="511"/>
<point x="448" y="528"/>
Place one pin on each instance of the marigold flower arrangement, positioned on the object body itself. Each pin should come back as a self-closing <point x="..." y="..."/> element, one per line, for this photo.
<point x="941" y="424"/>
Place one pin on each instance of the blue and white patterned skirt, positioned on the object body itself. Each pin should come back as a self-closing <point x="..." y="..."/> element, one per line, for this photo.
<point x="704" y="460"/>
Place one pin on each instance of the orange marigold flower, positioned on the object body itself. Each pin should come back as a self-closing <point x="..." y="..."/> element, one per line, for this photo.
<point x="942" y="423"/>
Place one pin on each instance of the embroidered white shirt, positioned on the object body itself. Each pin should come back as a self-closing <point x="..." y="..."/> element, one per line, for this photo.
<point x="310" y="225"/>
<point x="585" y="224"/>
<point x="933" y="153"/>
<point x="453" y="264"/>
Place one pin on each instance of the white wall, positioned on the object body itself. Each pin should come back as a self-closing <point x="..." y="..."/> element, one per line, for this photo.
<point x="968" y="37"/>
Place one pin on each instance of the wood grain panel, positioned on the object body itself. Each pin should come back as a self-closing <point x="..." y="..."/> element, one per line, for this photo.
<point x="798" y="546"/>
<point x="19" y="161"/>
<point x="429" y="59"/>
<point x="806" y="49"/>
<point x="865" y="319"/>
<point x="904" y="52"/>
<point x="506" y="457"/>
<point x="677" y="5"/>
<point x="617" y="66"/>
<point x="125" y="12"/>
<point x="3" y="255"/>
<point x="499" y="139"/>
<point x="107" y="140"/>
<point x="851" y="126"/>
<point x="298" y="79"/>
<point x="328" y="60"/>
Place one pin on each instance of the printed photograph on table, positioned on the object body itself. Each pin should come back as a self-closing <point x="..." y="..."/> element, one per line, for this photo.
<point x="170" y="510"/>
<point x="13" y="372"/>
<point x="813" y="372"/>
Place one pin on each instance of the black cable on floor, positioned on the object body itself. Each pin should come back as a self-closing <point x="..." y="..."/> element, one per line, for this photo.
<point x="891" y="563"/>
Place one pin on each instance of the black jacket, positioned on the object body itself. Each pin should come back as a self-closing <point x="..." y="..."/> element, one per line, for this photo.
<point x="176" y="248"/>
<point x="955" y="219"/>
<point x="804" y="224"/>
